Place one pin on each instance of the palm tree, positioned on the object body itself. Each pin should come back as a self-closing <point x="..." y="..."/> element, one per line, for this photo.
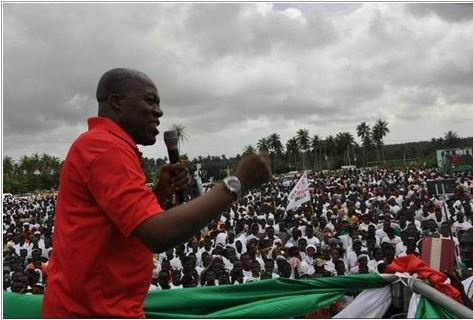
<point x="181" y="134"/>
<point x="330" y="148"/>
<point x="247" y="150"/>
<point x="8" y="167"/>
<point x="263" y="144"/>
<point x="451" y="139"/>
<point x="380" y="129"/>
<point x="49" y="164"/>
<point x="292" y="149"/>
<point x="363" y="131"/>
<point x="276" y="148"/>
<point x="344" y="142"/>
<point x="315" y="144"/>
<point x="302" y="139"/>
<point x="36" y="163"/>
<point x="323" y="154"/>
<point x="26" y="166"/>
<point x="275" y="144"/>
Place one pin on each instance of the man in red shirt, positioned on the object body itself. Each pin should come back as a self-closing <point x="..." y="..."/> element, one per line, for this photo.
<point x="108" y="222"/>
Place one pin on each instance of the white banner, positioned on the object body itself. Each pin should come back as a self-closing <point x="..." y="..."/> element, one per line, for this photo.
<point x="300" y="194"/>
<point x="370" y="303"/>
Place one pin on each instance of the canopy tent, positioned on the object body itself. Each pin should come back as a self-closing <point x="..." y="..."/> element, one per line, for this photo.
<point x="273" y="298"/>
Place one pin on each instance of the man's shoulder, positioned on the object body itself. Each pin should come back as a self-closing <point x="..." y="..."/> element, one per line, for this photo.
<point x="98" y="137"/>
<point x="92" y="143"/>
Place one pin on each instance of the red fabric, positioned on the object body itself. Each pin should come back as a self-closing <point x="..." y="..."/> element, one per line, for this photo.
<point x="411" y="264"/>
<point x="97" y="269"/>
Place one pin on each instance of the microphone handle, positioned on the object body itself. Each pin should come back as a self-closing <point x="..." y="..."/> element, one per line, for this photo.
<point x="173" y="158"/>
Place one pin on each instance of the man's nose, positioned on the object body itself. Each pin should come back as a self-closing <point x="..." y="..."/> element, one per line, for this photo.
<point x="157" y="111"/>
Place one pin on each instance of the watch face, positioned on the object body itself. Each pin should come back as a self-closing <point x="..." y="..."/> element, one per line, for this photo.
<point x="233" y="184"/>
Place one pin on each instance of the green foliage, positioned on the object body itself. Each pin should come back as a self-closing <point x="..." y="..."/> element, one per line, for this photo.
<point x="31" y="173"/>
<point x="41" y="172"/>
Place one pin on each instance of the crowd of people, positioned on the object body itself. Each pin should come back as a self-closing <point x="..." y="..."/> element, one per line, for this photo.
<point x="357" y="221"/>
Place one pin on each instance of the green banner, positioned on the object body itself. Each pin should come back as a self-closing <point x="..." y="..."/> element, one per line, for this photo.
<point x="273" y="298"/>
<point x="429" y="310"/>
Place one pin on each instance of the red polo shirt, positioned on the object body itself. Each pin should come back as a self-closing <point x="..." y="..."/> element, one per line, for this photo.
<point x="97" y="269"/>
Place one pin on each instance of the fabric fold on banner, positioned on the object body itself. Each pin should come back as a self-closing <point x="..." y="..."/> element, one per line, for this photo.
<point x="413" y="303"/>
<point x="272" y="298"/>
<point x="426" y="309"/>
<point x="370" y="303"/>
<point x="422" y="308"/>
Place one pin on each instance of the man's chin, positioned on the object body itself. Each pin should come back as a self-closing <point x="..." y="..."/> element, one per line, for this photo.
<point x="148" y="141"/>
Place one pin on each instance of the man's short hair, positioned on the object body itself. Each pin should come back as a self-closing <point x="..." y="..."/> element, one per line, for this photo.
<point x="116" y="81"/>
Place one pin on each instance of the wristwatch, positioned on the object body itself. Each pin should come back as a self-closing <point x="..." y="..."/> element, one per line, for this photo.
<point x="233" y="186"/>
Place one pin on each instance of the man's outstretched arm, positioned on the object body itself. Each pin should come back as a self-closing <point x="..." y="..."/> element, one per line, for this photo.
<point x="175" y="225"/>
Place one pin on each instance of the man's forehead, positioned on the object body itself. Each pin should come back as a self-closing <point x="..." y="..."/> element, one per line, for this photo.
<point x="144" y="84"/>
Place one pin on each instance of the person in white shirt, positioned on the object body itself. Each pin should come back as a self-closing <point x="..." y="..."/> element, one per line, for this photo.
<point x="391" y="237"/>
<point x="378" y="257"/>
<point x="393" y="206"/>
<point x="206" y="248"/>
<point x="352" y="256"/>
<point x="411" y="219"/>
<point x="460" y="224"/>
<point x="162" y="281"/>
<point x="254" y="232"/>
<point x="426" y="214"/>
<point x="309" y="236"/>
<point x="381" y="232"/>
<point x="307" y="263"/>
<point x="363" y="227"/>
<point x="255" y="273"/>
<point x="399" y="200"/>
<point x="221" y="238"/>
<point x="362" y="265"/>
<point x="293" y="241"/>
<point x="330" y="225"/>
<point x="269" y="269"/>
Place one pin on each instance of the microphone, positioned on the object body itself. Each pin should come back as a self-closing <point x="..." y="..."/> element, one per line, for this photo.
<point x="170" y="138"/>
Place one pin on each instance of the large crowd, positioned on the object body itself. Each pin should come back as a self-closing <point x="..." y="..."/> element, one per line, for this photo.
<point x="357" y="221"/>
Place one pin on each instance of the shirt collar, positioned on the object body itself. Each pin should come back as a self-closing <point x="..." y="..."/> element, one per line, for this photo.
<point x="113" y="128"/>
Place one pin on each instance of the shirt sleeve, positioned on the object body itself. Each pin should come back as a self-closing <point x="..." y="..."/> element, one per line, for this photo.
<point x="117" y="183"/>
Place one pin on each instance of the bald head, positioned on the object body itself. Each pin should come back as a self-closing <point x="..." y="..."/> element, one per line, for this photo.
<point x="117" y="81"/>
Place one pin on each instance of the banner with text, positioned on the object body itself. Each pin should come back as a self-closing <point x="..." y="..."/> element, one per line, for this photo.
<point x="300" y="194"/>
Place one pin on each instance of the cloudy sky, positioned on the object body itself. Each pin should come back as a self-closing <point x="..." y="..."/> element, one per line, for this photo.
<point x="233" y="73"/>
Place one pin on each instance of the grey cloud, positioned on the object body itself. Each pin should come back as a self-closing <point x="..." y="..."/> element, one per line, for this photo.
<point x="452" y="12"/>
<point x="219" y="67"/>
<point x="228" y="29"/>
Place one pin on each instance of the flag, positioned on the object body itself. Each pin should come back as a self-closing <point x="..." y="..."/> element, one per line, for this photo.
<point x="300" y="194"/>
<point x="412" y="264"/>
<point x="272" y="298"/>
<point x="439" y="254"/>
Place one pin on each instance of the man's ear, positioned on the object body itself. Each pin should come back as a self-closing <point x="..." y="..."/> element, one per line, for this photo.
<point x="114" y="101"/>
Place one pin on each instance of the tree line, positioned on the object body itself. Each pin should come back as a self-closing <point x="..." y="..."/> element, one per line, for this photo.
<point x="306" y="151"/>
<point x="35" y="172"/>
<point x="301" y="152"/>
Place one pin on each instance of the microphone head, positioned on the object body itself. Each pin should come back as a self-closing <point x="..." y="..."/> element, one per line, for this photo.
<point x="170" y="138"/>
